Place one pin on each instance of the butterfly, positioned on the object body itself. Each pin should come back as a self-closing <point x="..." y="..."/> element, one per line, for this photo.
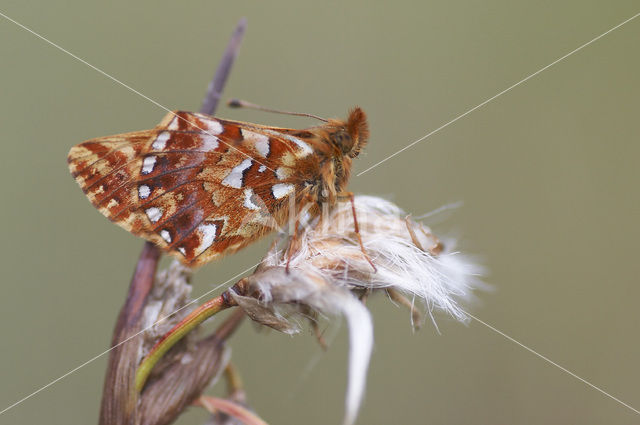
<point x="201" y="187"/>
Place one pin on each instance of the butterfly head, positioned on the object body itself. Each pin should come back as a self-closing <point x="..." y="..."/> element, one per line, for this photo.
<point x="352" y="135"/>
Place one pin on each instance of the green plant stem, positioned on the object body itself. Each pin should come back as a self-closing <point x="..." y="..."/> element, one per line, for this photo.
<point x="186" y="325"/>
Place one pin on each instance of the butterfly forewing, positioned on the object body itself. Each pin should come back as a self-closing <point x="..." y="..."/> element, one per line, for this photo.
<point x="197" y="186"/>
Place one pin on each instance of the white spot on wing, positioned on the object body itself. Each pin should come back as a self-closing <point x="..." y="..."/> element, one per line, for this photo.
<point x="144" y="191"/>
<point x="174" y="124"/>
<point x="306" y="149"/>
<point x="207" y="236"/>
<point x="262" y="168"/>
<point x="281" y="190"/>
<point x="234" y="178"/>
<point x="182" y="251"/>
<point x="147" y="164"/>
<point x="165" y="235"/>
<point x="161" y="141"/>
<point x="112" y="203"/>
<point x="260" y="141"/>
<point x="248" y="194"/>
<point x="209" y="143"/>
<point x="212" y="126"/>
<point x="154" y="214"/>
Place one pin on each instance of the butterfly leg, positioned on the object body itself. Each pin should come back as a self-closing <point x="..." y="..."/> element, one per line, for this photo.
<point x="416" y="316"/>
<point x="312" y="315"/>
<point x="356" y="227"/>
<point x="294" y="240"/>
<point x="437" y="246"/>
<point x="364" y="297"/>
<point x="414" y="237"/>
<point x="307" y="200"/>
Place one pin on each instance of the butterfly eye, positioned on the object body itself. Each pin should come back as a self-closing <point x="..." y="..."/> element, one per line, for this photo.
<point x="343" y="140"/>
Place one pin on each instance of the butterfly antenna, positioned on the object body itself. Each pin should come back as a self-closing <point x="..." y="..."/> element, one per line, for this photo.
<point x="237" y="103"/>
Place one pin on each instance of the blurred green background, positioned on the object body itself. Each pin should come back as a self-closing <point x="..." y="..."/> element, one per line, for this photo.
<point x="548" y="174"/>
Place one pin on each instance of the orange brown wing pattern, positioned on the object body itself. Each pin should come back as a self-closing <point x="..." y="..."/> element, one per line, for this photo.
<point x="196" y="186"/>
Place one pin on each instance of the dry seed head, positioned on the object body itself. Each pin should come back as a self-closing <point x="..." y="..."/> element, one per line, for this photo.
<point x="327" y="265"/>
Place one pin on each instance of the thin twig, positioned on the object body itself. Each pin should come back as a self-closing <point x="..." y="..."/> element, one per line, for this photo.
<point x="214" y="91"/>
<point x="214" y="404"/>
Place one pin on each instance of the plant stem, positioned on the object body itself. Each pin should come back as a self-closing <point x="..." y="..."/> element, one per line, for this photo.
<point x="186" y="325"/>
<point x="214" y="91"/>
<point x="213" y="404"/>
